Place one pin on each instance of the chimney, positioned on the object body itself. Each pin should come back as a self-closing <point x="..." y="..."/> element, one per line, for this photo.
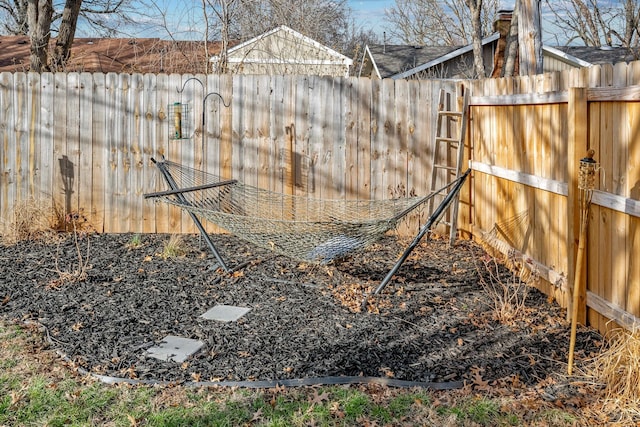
<point x="502" y="25"/>
<point x="503" y="22"/>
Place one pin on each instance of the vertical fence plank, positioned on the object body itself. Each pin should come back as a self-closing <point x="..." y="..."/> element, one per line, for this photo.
<point x="351" y="138"/>
<point x="148" y="146"/>
<point x="21" y="135"/>
<point x="73" y="141"/>
<point x="111" y="183"/>
<point x="363" y="129"/>
<point x="160" y="112"/>
<point x="303" y="129"/>
<point x="85" y="146"/>
<point x="187" y="92"/>
<point x="47" y="106"/>
<point x="136" y="139"/>
<point x="7" y="164"/>
<point x="61" y="166"/>
<point x="338" y="139"/>
<point x="279" y="158"/>
<point x="212" y="113"/>
<point x="377" y="140"/>
<point x="177" y="218"/>
<point x="233" y="152"/>
<point x="325" y="145"/>
<point x="33" y="82"/>
<point x="388" y="144"/>
<point x="227" y="90"/>
<point x="263" y="144"/>
<point x="314" y="145"/>
<point x="99" y="154"/>
<point x="123" y="133"/>
<point x="403" y="133"/>
<point x="292" y="157"/>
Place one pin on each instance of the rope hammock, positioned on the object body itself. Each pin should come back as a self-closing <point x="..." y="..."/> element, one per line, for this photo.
<point x="306" y="229"/>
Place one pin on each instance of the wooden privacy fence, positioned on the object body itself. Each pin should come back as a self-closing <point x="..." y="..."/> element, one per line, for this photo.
<point x="528" y="136"/>
<point x="85" y="141"/>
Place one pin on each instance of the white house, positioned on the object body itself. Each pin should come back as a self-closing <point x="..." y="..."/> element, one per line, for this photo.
<point x="285" y="51"/>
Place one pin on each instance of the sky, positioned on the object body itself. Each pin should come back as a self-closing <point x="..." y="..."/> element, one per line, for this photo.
<point x="185" y="19"/>
<point x="368" y="13"/>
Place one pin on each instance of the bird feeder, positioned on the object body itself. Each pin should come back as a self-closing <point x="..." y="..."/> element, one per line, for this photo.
<point x="178" y="114"/>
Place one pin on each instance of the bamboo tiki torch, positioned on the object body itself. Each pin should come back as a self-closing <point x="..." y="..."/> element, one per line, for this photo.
<point x="586" y="184"/>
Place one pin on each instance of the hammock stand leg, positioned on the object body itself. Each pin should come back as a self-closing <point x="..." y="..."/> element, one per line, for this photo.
<point x="435" y="216"/>
<point x="172" y="184"/>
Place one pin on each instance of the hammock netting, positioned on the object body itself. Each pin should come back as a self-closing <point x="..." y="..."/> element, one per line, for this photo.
<point x="299" y="227"/>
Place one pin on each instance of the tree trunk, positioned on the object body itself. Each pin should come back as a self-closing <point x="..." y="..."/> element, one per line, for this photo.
<point x="530" y="38"/>
<point x="62" y="50"/>
<point x="39" y="15"/>
<point x="475" y="7"/>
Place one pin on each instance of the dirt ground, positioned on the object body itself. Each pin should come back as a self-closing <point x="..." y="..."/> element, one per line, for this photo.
<point x="104" y="300"/>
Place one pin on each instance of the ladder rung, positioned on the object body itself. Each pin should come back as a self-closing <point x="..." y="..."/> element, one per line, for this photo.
<point x="449" y="168"/>
<point x="450" y="113"/>
<point x="449" y="140"/>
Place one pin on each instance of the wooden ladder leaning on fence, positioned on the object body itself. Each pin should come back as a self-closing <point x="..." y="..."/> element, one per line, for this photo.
<point x="448" y="149"/>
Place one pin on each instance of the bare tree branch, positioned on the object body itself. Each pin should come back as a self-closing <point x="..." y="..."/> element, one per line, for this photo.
<point x="598" y="23"/>
<point x="438" y="22"/>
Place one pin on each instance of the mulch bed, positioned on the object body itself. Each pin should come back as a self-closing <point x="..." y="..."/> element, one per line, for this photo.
<point x="433" y="323"/>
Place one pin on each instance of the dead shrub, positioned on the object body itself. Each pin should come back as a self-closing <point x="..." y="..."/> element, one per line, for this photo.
<point x="507" y="284"/>
<point x="31" y="219"/>
<point x="617" y="370"/>
<point x="78" y="271"/>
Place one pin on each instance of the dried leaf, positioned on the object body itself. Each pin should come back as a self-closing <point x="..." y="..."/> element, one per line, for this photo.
<point x="319" y="398"/>
<point x="257" y="416"/>
<point x="132" y="421"/>
<point x="477" y="378"/>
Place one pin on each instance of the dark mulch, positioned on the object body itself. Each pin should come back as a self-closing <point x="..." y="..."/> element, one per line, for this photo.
<point x="433" y="323"/>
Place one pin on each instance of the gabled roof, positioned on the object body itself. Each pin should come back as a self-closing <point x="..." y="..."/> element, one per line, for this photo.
<point x="402" y="61"/>
<point x="456" y="52"/>
<point x="143" y="55"/>
<point x="585" y="56"/>
<point x="385" y="61"/>
<point x="283" y="45"/>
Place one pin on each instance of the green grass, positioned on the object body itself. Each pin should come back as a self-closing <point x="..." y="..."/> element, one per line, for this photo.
<point x="135" y="241"/>
<point x="36" y="390"/>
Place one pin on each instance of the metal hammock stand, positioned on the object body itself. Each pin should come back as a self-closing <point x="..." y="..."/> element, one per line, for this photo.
<point x="306" y="229"/>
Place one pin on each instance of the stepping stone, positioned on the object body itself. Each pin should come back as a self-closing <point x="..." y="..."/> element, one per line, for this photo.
<point x="225" y="313"/>
<point x="174" y="348"/>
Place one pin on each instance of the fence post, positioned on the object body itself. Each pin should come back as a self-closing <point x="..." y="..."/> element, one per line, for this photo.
<point x="576" y="147"/>
<point x="226" y="125"/>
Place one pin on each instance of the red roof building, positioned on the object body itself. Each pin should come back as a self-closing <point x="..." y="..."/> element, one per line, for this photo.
<point x="143" y="55"/>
